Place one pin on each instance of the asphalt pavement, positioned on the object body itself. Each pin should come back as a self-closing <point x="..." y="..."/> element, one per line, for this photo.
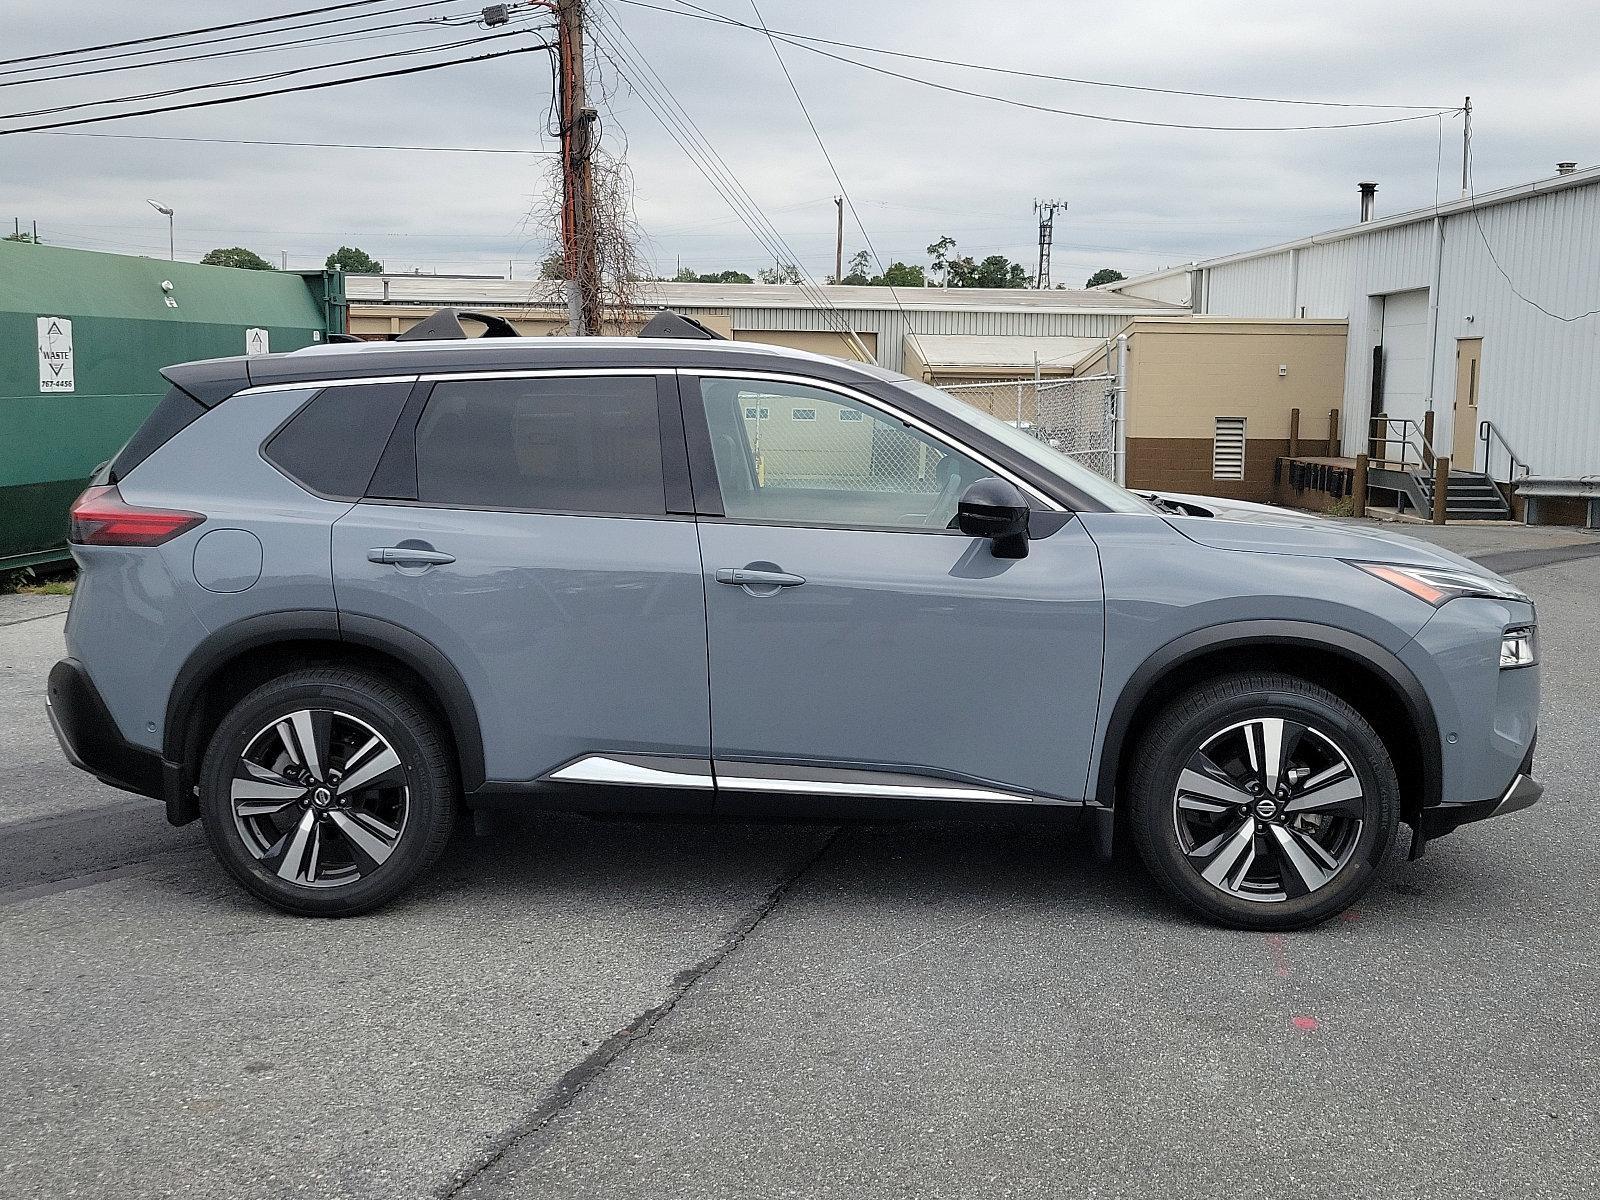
<point x="581" y="1009"/>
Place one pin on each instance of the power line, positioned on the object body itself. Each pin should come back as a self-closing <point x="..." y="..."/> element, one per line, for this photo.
<point x="163" y="37"/>
<point x="705" y="14"/>
<point x="303" y="87"/>
<point x="262" y="78"/>
<point x="238" y="37"/>
<point x="151" y="137"/>
<point x="400" y="29"/>
<point x="711" y="165"/>
<point x="1064" y="112"/>
<point x="843" y="191"/>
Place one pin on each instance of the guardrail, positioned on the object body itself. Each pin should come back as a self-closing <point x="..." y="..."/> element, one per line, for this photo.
<point x="1416" y="447"/>
<point x="1516" y="467"/>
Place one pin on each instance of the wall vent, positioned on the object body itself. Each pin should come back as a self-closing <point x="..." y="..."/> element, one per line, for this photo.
<point x="1227" y="448"/>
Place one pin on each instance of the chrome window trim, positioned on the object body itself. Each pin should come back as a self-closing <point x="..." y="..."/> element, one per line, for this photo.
<point x="883" y="406"/>
<point x="301" y="385"/>
<point x="552" y="372"/>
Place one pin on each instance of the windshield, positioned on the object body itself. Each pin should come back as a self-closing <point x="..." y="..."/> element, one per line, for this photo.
<point x="1093" y="484"/>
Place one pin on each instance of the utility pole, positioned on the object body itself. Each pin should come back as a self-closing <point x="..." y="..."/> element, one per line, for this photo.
<point x="578" y="235"/>
<point x="1047" y="226"/>
<point x="1466" y="144"/>
<point x="838" y="240"/>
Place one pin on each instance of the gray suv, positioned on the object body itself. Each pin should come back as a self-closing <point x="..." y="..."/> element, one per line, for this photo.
<point x="328" y="597"/>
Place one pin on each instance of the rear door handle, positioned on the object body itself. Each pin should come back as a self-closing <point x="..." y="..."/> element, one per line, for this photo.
<point x="748" y="577"/>
<point x="408" y="556"/>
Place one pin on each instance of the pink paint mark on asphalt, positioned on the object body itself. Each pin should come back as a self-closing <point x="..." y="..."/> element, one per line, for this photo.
<point x="1350" y="914"/>
<point x="1280" y="956"/>
<point x="1306" y="1024"/>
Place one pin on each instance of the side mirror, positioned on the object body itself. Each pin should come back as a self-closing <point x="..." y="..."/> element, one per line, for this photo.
<point x="994" y="509"/>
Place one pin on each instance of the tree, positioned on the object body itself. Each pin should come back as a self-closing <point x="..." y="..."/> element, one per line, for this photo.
<point x="1104" y="275"/>
<point x="687" y="275"/>
<point x="898" y="274"/>
<point x="941" y="252"/>
<point x="353" y="261"/>
<point x="779" y="273"/>
<point x="554" y="266"/>
<point x="236" y="256"/>
<point x="996" y="271"/>
<point x="30" y="238"/>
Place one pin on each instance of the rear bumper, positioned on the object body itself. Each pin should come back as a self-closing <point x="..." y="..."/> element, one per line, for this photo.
<point x="92" y="742"/>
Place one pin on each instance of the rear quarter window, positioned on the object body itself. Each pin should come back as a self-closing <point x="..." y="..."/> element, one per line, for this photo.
<point x="331" y="445"/>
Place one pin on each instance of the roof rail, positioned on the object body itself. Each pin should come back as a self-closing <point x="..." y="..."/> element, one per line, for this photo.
<point x="446" y="323"/>
<point x="668" y="324"/>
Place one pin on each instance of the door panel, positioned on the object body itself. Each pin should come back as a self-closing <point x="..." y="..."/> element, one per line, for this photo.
<point x="1464" y="435"/>
<point x="573" y="634"/>
<point x="911" y="652"/>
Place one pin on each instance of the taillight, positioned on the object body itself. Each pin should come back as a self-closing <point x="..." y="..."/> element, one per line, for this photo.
<point x="100" y="517"/>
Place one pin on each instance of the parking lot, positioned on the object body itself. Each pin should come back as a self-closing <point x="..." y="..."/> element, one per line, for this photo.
<point x="575" y="1008"/>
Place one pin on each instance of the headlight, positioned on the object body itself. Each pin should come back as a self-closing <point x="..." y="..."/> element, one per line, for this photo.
<point x="1439" y="585"/>
<point x="1518" y="648"/>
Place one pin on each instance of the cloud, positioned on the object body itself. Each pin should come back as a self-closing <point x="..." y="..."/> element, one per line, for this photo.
<point x="917" y="162"/>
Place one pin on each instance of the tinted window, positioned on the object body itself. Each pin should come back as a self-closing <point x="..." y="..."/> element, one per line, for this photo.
<point x="563" y="444"/>
<point x="176" y="411"/>
<point x="786" y="452"/>
<point x="332" y="444"/>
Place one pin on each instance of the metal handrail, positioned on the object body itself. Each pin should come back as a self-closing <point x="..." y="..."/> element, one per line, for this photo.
<point x="1485" y="429"/>
<point x="1402" y="430"/>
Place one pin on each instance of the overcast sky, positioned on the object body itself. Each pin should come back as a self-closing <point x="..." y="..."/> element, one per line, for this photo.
<point x="918" y="162"/>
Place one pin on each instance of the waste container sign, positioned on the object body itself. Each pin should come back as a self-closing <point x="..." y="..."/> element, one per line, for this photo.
<point x="256" y="341"/>
<point x="55" y="355"/>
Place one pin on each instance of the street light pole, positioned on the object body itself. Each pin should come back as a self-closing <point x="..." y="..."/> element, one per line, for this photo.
<point x="166" y="211"/>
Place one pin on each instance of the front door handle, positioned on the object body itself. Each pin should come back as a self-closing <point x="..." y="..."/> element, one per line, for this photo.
<point x="751" y="577"/>
<point x="409" y="556"/>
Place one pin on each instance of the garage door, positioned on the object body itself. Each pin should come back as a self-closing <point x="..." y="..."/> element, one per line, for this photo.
<point x="1405" y="354"/>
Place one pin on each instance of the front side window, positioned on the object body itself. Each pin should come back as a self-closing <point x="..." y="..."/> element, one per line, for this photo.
<point x="581" y="445"/>
<point x="787" y="452"/>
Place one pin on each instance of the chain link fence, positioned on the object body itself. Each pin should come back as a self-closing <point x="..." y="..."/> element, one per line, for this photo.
<point x="1076" y="416"/>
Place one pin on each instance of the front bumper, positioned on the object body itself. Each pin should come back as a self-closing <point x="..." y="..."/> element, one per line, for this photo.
<point x="90" y="738"/>
<point x="1522" y="792"/>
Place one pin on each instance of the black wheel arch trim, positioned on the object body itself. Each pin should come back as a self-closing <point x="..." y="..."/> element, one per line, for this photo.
<point x="265" y="629"/>
<point x="1269" y="633"/>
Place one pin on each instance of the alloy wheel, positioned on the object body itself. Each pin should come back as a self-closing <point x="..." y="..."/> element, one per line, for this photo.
<point x="320" y="798"/>
<point x="1269" y="809"/>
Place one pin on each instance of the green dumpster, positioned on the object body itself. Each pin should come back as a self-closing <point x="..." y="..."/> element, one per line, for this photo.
<point x="83" y="337"/>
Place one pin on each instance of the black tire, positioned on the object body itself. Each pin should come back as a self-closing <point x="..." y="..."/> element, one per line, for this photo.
<point x="349" y="841"/>
<point x="1276" y="880"/>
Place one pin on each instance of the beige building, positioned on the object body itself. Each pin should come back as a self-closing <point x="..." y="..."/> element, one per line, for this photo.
<point x="1209" y="401"/>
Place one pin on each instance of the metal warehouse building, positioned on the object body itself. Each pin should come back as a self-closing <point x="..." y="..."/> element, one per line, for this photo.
<point x="959" y="333"/>
<point x="1483" y="311"/>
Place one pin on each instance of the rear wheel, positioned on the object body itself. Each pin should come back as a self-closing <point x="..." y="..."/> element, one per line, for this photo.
<point x="1263" y="801"/>
<point x="327" y="791"/>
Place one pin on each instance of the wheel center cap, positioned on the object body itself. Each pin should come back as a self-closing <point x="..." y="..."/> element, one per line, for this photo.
<point x="1266" y="809"/>
<point x="322" y="797"/>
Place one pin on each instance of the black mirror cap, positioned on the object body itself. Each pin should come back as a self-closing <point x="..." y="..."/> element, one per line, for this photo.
<point x="995" y="509"/>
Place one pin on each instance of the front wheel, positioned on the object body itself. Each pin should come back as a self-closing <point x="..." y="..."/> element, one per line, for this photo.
<point x="327" y="791"/>
<point x="1263" y="801"/>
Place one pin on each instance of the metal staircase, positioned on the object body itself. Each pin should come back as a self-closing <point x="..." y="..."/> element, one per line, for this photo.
<point x="1469" y="496"/>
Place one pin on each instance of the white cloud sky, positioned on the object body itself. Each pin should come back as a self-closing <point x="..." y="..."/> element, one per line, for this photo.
<point x="919" y="163"/>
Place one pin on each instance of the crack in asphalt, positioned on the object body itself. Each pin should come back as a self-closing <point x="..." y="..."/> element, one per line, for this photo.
<point x="598" y="1061"/>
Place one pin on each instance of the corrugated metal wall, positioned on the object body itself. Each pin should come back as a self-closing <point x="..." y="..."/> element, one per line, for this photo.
<point x="1540" y="376"/>
<point x="890" y="324"/>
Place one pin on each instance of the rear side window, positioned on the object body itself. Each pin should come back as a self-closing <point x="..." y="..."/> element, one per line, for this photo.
<point x="331" y="445"/>
<point x="170" y="417"/>
<point x="582" y="445"/>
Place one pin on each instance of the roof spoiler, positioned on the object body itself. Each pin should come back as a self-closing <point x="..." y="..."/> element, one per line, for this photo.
<point x="668" y="324"/>
<point x="446" y="323"/>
